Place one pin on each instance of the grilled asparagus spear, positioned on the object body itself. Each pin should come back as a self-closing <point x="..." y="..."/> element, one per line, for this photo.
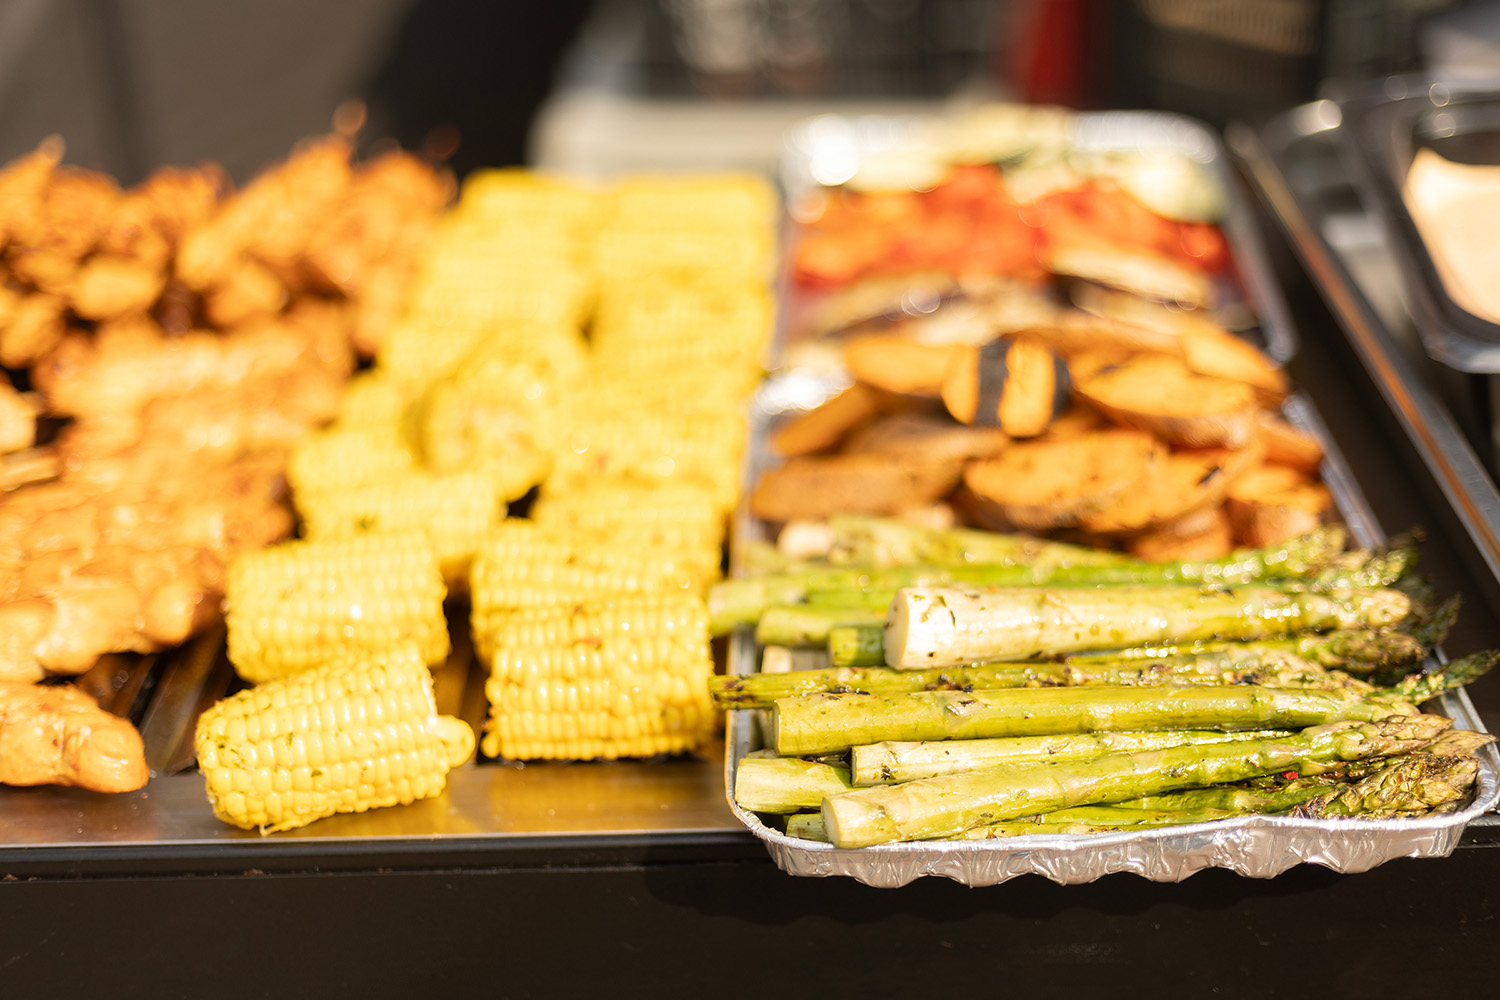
<point x="770" y="784"/>
<point x="829" y="723"/>
<point x="1411" y="784"/>
<point x="949" y="805"/>
<point x="741" y="601"/>
<point x="945" y="626"/>
<point x="894" y="761"/>
<point x="1249" y="664"/>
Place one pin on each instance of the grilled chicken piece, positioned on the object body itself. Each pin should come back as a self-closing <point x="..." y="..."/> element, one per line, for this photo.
<point x="57" y="735"/>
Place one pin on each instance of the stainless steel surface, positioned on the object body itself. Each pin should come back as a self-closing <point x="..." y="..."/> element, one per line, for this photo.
<point x="483" y="802"/>
<point x="1422" y="413"/>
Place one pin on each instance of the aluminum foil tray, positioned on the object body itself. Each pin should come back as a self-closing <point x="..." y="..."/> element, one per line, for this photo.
<point x="1254" y="846"/>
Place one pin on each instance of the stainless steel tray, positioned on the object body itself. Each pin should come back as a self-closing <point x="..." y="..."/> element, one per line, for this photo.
<point x="1383" y="125"/>
<point x="1260" y="846"/>
<point x="488" y="805"/>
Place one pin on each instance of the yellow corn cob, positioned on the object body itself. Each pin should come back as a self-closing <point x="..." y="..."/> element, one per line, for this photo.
<point x="298" y="604"/>
<point x="579" y="627"/>
<point x="480" y="292"/>
<point x="338" y="738"/>
<point x="676" y="392"/>
<point x="339" y="457"/>
<point x="685" y="511"/>
<point x="653" y="450"/>
<point x="528" y="199"/>
<point x="453" y="510"/>
<point x="657" y="309"/>
<point x="373" y="398"/>
<point x="685" y="255"/>
<point x="417" y="351"/>
<point x="520" y="565"/>
<point x="624" y="681"/>
<point x="683" y="521"/>
<point x="715" y="201"/>
<point x="499" y="413"/>
<point x="685" y="359"/>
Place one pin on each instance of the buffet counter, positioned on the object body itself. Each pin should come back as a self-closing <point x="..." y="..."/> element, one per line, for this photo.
<point x="636" y="878"/>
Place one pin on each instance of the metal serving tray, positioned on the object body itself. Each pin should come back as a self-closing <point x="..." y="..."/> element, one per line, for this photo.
<point x="1384" y="124"/>
<point x="490" y="808"/>
<point x="1256" y="846"/>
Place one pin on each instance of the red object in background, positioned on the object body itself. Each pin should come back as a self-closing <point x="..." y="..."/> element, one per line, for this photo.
<point x="1050" y="55"/>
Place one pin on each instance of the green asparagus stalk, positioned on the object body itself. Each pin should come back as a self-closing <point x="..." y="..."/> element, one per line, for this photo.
<point x="856" y="645"/>
<point x="1079" y="821"/>
<point x="807" y="826"/>
<point x="771" y="784"/>
<point x="1241" y="799"/>
<point x="1268" y="667"/>
<point x="1361" y="651"/>
<point x="1086" y="820"/>
<point x="1364" y="652"/>
<point x="949" y="805"/>
<point x="1409" y="785"/>
<point x="741" y="601"/>
<point x="1419" y="687"/>
<point x="894" y="761"/>
<point x="828" y="723"/>
<point x="808" y="624"/>
<point x="944" y="626"/>
<point x="1299" y="558"/>
<point x="1414" y="783"/>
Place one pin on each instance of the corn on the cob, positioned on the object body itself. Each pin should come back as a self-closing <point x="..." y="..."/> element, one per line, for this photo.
<point x="655" y="450"/>
<point x="418" y="351"/>
<point x="672" y="617"/>
<point x="477" y="292"/>
<point x="527" y="200"/>
<point x="502" y="418"/>
<point x="737" y="314"/>
<point x="454" y="511"/>
<point x="622" y="679"/>
<point x="340" y="457"/>
<point x="724" y="203"/>
<point x="521" y="566"/>
<point x="373" y="399"/>
<point x="302" y="603"/>
<point x="339" y="738"/>
<point x="685" y="521"/>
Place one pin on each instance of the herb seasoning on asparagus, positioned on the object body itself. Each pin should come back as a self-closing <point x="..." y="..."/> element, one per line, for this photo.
<point x="946" y="626"/>
<point x="947" y="806"/>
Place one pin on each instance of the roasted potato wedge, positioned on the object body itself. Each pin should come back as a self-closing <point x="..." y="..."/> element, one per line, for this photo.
<point x="1162" y="396"/>
<point x="1186" y="480"/>
<point x="815" y="486"/>
<point x="824" y="426"/>
<point x="1043" y="484"/>
<point x="1274" y="502"/>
